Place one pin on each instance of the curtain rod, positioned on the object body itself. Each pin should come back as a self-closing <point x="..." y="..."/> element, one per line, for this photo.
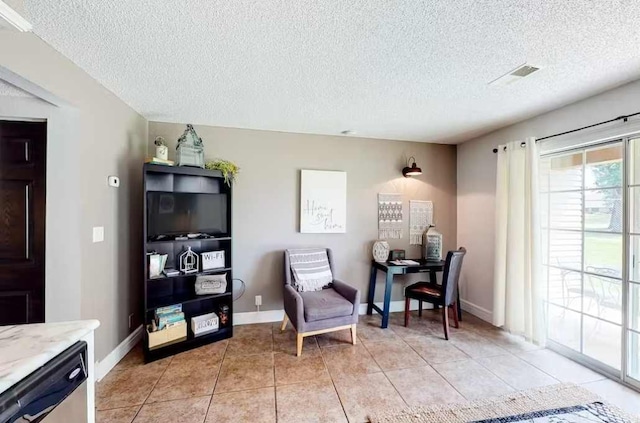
<point x="623" y="117"/>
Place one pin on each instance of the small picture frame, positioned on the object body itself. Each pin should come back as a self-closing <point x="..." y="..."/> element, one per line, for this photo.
<point x="213" y="260"/>
<point x="156" y="264"/>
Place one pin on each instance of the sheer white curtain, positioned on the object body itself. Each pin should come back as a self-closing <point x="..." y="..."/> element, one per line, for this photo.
<point x="518" y="290"/>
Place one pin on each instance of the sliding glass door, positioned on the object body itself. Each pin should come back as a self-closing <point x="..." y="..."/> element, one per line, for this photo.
<point x="590" y="200"/>
<point x="633" y="330"/>
<point x="581" y="191"/>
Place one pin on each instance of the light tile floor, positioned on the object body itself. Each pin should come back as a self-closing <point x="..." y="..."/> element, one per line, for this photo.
<point x="255" y="376"/>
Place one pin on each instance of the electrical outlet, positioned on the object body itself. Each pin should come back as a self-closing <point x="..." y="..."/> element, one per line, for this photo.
<point x="130" y="320"/>
<point x="258" y="300"/>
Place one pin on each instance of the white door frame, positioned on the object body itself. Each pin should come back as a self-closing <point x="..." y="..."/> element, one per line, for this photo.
<point x="63" y="206"/>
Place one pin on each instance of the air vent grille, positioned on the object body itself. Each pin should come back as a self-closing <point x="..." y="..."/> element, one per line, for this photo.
<point x="524" y="71"/>
<point x="515" y="75"/>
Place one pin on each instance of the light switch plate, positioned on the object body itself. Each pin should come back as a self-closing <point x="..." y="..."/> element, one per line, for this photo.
<point x="98" y="233"/>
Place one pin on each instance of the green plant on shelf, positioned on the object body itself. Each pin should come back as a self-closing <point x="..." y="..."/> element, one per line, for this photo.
<point x="229" y="169"/>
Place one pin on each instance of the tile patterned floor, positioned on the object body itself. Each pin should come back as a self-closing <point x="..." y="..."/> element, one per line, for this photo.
<point x="255" y="376"/>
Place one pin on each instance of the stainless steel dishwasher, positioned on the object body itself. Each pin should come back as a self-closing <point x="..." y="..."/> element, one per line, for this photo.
<point x="55" y="393"/>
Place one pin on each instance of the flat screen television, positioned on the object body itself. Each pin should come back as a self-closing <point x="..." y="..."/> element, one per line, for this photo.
<point x="174" y="214"/>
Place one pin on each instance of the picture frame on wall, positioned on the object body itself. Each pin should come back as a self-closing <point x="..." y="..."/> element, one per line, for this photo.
<point x="213" y="260"/>
<point x="323" y="201"/>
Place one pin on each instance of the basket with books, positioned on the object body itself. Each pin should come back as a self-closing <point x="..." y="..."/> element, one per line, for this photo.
<point x="169" y="326"/>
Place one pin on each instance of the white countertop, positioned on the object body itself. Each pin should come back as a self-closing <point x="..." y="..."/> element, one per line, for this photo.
<point x="25" y="348"/>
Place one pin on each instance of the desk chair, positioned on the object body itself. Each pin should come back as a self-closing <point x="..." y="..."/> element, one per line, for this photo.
<point x="444" y="295"/>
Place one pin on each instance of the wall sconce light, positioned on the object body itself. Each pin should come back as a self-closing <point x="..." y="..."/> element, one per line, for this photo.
<point x="414" y="170"/>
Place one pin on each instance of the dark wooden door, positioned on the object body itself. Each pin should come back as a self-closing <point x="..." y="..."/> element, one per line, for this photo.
<point x="22" y="218"/>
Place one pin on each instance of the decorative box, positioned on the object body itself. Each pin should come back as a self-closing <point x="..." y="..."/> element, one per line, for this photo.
<point x="175" y="333"/>
<point x="190" y="149"/>
<point x="202" y="325"/>
<point x="211" y="284"/>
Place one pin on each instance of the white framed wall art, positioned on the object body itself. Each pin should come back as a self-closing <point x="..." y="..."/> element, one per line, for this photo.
<point x="323" y="201"/>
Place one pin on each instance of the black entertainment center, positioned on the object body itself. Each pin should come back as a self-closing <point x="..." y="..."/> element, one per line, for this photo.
<point x="185" y="207"/>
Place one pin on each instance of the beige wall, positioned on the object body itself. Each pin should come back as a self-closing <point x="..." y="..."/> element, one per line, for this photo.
<point x="266" y="198"/>
<point x="17" y="5"/>
<point x="110" y="139"/>
<point x="477" y="180"/>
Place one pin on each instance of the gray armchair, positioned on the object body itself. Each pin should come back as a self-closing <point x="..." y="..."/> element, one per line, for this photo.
<point x="313" y="313"/>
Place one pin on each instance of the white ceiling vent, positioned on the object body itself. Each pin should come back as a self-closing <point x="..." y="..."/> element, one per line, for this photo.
<point x="11" y="20"/>
<point x="515" y="75"/>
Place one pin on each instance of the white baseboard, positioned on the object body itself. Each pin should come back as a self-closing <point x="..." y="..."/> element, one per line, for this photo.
<point x="103" y="367"/>
<point x="268" y="316"/>
<point x="257" y="317"/>
<point x="476" y="310"/>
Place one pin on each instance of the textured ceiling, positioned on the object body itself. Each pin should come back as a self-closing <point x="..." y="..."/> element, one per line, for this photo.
<point x="411" y="70"/>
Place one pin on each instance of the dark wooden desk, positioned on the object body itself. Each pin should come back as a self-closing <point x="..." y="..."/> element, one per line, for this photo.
<point x="425" y="266"/>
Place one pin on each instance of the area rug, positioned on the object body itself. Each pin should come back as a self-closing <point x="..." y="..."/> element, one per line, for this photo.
<point x="564" y="403"/>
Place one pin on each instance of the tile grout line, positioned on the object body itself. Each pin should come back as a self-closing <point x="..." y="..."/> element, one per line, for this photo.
<point x="443" y="376"/>
<point x="368" y="346"/>
<point x="506" y="352"/>
<point x="333" y="383"/>
<point x="150" y="391"/>
<point x="224" y="355"/>
<point x="493" y="373"/>
<point x="566" y="358"/>
<point x="273" y="357"/>
<point x="437" y="372"/>
<point x="450" y="384"/>
<point x="384" y="372"/>
<point x="530" y="364"/>
<point x="166" y="400"/>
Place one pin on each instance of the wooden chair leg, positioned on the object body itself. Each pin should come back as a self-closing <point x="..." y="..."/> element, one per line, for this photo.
<point x="353" y="334"/>
<point x="407" y="303"/>
<point x="445" y="321"/>
<point x="299" y="341"/>
<point x="456" y="322"/>
<point x="284" y="322"/>
<point x="419" y="308"/>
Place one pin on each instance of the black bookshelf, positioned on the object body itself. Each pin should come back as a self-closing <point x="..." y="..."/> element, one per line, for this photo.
<point x="180" y="289"/>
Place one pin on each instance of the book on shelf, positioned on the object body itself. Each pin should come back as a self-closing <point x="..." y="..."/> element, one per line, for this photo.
<point x="170" y="309"/>
<point x="177" y="323"/>
<point x="167" y="319"/>
<point x="171" y="272"/>
<point x="155" y="160"/>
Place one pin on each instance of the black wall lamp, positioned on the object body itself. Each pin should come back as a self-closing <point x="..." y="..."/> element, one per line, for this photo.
<point x="414" y="170"/>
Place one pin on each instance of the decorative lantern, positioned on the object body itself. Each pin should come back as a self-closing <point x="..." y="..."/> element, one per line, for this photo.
<point x="189" y="261"/>
<point x="190" y="150"/>
<point x="432" y="244"/>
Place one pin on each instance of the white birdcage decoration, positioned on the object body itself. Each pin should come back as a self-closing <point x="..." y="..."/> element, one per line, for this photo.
<point x="189" y="261"/>
<point x="190" y="149"/>
<point x="432" y="244"/>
